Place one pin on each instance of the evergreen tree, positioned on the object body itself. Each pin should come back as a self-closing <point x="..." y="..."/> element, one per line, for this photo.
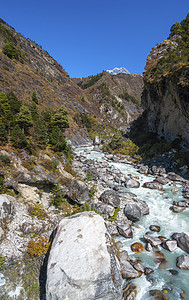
<point x="34" y="112"/>
<point x="24" y="118"/>
<point x="57" y="139"/>
<point x="60" y="118"/>
<point x="18" y="137"/>
<point x="6" y="112"/>
<point x="14" y="103"/>
<point x="3" y="132"/>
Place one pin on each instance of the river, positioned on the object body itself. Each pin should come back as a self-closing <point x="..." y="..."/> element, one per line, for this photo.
<point x="169" y="222"/>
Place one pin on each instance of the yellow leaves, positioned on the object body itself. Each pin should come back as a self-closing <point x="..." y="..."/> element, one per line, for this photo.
<point x="38" y="248"/>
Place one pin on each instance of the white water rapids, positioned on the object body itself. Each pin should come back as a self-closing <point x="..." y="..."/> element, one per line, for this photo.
<point x="170" y="222"/>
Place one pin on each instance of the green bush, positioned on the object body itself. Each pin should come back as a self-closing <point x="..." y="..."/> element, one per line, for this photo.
<point x="34" y="98"/>
<point x="5" y="159"/>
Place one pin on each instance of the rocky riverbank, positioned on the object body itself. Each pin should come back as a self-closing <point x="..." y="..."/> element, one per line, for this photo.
<point x="110" y="186"/>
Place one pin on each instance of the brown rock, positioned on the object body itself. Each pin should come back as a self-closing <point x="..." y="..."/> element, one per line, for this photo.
<point x="137" y="247"/>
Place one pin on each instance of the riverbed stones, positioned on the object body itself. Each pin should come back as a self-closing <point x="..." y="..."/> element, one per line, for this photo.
<point x="162" y="180"/>
<point x="137" y="247"/>
<point x="6" y="205"/>
<point x="132" y="211"/>
<point x="182" y="240"/>
<point x="177" y="209"/>
<point x="154" y="241"/>
<point x="131" y="183"/>
<point x="78" y="192"/>
<point x="79" y="265"/>
<point x="127" y="271"/>
<point x="155" y="228"/>
<point x="139" y="267"/>
<point x="153" y="185"/>
<point x="158" y="295"/>
<point x="125" y="230"/>
<point x="170" y="245"/>
<point x="110" y="197"/>
<point x="183" y="262"/>
<point x="106" y="210"/>
<point x="175" y="177"/>
<point x="130" y="291"/>
<point x="148" y="271"/>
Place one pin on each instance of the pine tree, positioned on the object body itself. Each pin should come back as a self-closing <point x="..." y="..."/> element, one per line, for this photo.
<point x="18" y="137"/>
<point x="6" y="112"/>
<point x="14" y="103"/>
<point x="24" y="118"/>
<point x="57" y="139"/>
<point x="60" y="118"/>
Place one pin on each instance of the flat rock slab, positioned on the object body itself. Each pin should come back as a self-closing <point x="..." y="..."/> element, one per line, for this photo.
<point x="80" y="265"/>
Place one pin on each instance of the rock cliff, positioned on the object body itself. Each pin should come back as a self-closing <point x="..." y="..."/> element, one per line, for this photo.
<point x="166" y="86"/>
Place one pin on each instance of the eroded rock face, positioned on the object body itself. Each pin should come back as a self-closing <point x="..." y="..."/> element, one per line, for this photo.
<point x="81" y="265"/>
<point x="166" y="98"/>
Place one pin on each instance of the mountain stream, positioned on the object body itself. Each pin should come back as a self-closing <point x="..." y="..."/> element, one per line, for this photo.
<point x="174" y="286"/>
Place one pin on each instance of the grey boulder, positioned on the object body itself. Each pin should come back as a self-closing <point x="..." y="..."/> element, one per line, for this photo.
<point x="110" y="197"/>
<point x="182" y="240"/>
<point x="80" y="265"/>
<point x="78" y="191"/>
<point x="132" y="211"/>
<point x="183" y="262"/>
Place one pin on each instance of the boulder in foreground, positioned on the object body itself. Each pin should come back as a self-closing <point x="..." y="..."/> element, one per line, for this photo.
<point x="81" y="264"/>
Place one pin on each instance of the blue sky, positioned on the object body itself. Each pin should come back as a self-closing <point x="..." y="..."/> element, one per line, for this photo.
<point x="88" y="36"/>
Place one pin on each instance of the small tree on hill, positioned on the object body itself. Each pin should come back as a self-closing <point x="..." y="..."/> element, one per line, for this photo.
<point x="60" y="118"/>
<point x="24" y="118"/>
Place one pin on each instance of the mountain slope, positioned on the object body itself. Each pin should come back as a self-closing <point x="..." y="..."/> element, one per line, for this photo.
<point x="26" y="68"/>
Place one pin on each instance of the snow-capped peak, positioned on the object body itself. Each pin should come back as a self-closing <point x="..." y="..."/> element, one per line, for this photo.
<point x="116" y="71"/>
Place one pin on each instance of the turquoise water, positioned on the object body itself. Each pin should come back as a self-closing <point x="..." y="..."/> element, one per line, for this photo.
<point x="160" y="214"/>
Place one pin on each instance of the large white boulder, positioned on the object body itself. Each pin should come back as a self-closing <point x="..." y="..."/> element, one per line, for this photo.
<point x="81" y="263"/>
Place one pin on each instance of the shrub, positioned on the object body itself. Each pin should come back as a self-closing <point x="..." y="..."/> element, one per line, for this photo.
<point x="37" y="248"/>
<point x="114" y="217"/>
<point x="37" y="211"/>
<point x="89" y="176"/>
<point x="93" y="190"/>
<point x="5" y="159"/>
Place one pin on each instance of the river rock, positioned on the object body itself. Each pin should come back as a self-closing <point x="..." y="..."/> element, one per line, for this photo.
<point x="132" y="212"/>
<point x="79" y="265"/>
<point x="148" y="271"/>
<point x="149" y="247"/>
<point x="155" y="228"/>
<point x="143" y="169"/>
<point x="137" y="247"/>
<point x="127" y="271"/>
<point x="78" y="191"/>
<point x="182" y="240"/>
<point x="139" y="267"/>
<point x="158" y="295"/>
<point x="180" y="203"/>
<point x="170" y="245"/>
<point x="130" y="292"/>
<point x="131" y="183"/>
<point x="6" y="206"/>
<point x="154" y="241"/>
<point x="174" y="177"/>
<point x="162" y="180"/>
<point x="110" y="197"/>
<point x="123" y="256"/>
<point x="177" y="209"/>
<point x="173" y="272"/>
<point x="183" y="262"/>
<point x="105" y="209"/>
<point x="125" y="230"/>
<point x="153" y="185"/>
<point x="143" y="206"/>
